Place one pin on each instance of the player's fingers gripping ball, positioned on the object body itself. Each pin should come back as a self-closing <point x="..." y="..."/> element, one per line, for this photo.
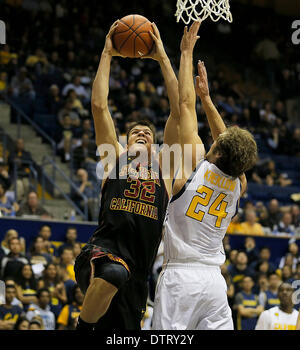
<point x="131" y="38"/>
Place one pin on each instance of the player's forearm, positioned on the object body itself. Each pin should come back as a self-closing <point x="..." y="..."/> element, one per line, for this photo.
<point x="100" y="88"/>
<point x="215" y="121"/>
<point x="187" y="94"/>
<point x="171" y="85"/>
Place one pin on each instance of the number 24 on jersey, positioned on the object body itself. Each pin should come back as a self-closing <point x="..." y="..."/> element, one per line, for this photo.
<point x="217" y="208"/>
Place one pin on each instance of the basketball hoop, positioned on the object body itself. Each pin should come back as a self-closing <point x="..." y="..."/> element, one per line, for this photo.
<point x="199" y="10"/>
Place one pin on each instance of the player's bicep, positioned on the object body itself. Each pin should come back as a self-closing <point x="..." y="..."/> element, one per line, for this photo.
<point x="172" y="131"/>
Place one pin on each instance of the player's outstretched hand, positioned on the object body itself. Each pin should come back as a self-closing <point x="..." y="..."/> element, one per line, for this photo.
<point x="109" y="47"/>
<point x="158" y="52"/>
<point x="190" y="37"/>
<point x="201" y="87"/>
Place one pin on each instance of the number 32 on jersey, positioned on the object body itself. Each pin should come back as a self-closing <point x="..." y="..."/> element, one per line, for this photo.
<point x="217" y="208"/>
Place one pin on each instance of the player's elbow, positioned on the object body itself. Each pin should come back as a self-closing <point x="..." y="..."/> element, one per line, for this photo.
<point x="99" y="105"/>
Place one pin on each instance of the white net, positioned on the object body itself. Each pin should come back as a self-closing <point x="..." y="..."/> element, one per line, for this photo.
<point x="196" y="10"/>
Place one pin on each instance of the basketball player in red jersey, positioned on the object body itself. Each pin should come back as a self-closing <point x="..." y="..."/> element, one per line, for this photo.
<point x="113" y="267"/>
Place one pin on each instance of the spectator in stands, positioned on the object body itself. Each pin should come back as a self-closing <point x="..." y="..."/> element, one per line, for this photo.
<point x="7" y="206"/>
<point x="130" y="105"/>
<point x="53" y="281"/>
<point x="261" y="283"/>
<point x="76" y="249"/>
<point x="70" y="239"/>
<point x="77" y="87"/>
<point x="297" y="271"/>
<point x="22" y="160"/>
<point x="75" y="103"/>
<point x="10" y="282"/>
<point x="68" y="110"/>
<point x="251" y="226"/>
<point x="22" y="324"/>
<point x="295" y="212"/>
<point x="49" y="247"/>
<point x="9" y="235"/>
<point x="239" y="269"/>
<point x="247" y="305"/>
<point x="54" y="100"/>
<point x="262" y="213"/>
<point x="87" y="128"/>
<point x="251" y="250"/>
<point x="67" y="139"/>
<point x="32" y="207"/>
<point x="42" y="309"/>
<point x="269" y="298"/>
<point x="285" y="226"/>
<point x="87" y="188"/>
<point x="26" y="286"/>
<point x="36" y="324"/>
<point x="263" y="267"/>
<point x="37" y="253"/>
<point x="146" y="111"/>
<point x="264" y="256"/>
<point x="287" y="271"/>
<point x="69" y="314"/>
<point x="145" y="85"/>
<point x="9" y="313"/>
<point x="274" y="214"/>
<point x="67" y="263"/>
<point x="13" y="262"/>
<point x="85" y="153"/>
<point x="232" y="257"/>
<point x="289" y="259"/>
<point x="267" y="117"/>
<point x="21" y="85"/>
<point x="39" y="57"/>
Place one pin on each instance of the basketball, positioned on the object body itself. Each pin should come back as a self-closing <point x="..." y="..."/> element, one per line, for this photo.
<point x="131" y="38"/>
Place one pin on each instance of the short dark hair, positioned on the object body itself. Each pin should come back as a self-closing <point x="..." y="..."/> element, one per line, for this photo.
<point x="143" y="122"/>
<point x="42" y="290"/>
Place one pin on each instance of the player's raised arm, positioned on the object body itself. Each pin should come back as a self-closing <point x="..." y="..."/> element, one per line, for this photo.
<point x="187" y="96"/>
<point x="216" y="123"/>
<point x="171" y="133"/>
<point x="104" y="126"/>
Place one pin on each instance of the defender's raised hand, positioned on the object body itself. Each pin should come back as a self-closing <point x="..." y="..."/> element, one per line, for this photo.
<point x="190" y="37"/>
<point x="158" y="52"/>
<point x="202" y="89"/>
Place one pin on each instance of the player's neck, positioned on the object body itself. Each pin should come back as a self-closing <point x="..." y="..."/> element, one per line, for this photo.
<point x="288" y="309"/>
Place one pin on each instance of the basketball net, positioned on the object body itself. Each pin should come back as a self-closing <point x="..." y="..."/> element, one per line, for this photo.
<point x="199" y="10"/>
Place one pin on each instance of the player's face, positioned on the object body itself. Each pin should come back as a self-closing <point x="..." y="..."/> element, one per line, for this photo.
<point x="140" y="139"/>
<point x="285" y="292"/>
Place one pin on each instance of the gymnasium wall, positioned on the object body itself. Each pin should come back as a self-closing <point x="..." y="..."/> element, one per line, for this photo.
<point x="28" y="229"/>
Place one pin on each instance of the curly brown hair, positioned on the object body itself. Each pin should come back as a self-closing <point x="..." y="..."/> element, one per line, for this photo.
<point x="238" y="151"/>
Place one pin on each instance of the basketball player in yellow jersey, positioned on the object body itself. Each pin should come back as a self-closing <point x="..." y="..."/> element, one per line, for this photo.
<point x="191" y="292"/>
